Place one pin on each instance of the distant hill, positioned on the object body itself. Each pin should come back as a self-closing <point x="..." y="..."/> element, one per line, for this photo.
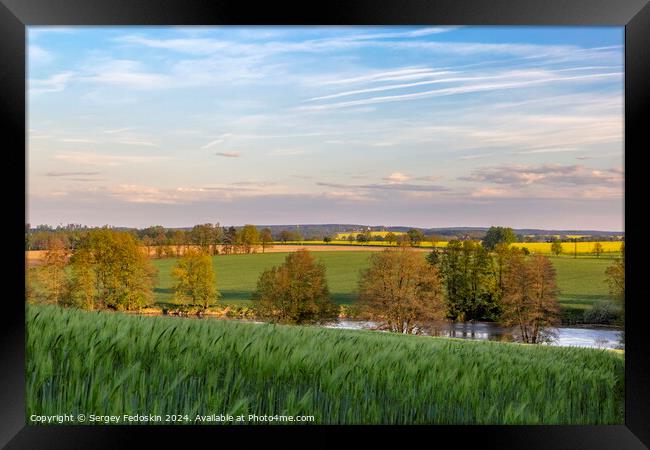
<point x="318" y="231"/>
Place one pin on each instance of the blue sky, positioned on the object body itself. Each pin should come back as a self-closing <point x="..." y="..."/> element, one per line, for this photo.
<point x="415" y="126"/>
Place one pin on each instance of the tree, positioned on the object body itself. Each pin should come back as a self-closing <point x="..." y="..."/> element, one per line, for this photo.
<point x="266" y="238"/>
<point x="616" y="277"/>
<point x="416" y="236"/>
<point x="598" y="249"/>
<point x="82" y="287"/>
<point x="350" y="237"/>
<point x="51" y="275"/>
<point x="327" y="239"/>
<point x="122" y="273"/>
<point x="195" y="279"/>
<point x="401" y="291"/>
<point x="471" y="291"/>
<point x="249" y="238"/>
<point x="390" y="237"/>
<point x="179" y="239"/>
<point x="530" y="298"/>
<point x="203" y="236"/>
<point x="403" y="240"/>
<point x="286" y="235"/>
<point x="433" y="257"/>
<point x="496" y="235"/>
<point x="295" y="292"/>
<point x="502" y="254"/>
<point x="556" y="247"/>
<point x="230" y="239"/>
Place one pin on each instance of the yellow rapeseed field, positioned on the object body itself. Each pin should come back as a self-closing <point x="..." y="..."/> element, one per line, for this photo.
<point x="570" y="247"/>
<point x="581" y="248"/>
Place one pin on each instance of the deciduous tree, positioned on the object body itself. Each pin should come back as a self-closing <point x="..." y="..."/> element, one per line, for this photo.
<point x="401" y="291"/>
<point x="266" y="239"/>
<point x="249" y="238"/>
<point x="530" y="298"/>
<point x="598" y="249"/>
<point x="496" y="235"/>
<point x="123" y="274"/>
<point x="195" y="279"/>
<point x="556" y="247"/>
<point x="295" y="292"/>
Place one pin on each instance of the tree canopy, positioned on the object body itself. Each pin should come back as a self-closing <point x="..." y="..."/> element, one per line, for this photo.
<point x="498" y="235"/>
<point x="401" y="291"/>
<point x="295" y="292"/>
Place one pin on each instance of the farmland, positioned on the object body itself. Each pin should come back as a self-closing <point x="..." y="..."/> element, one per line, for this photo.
<point x="581" y="281"/>
<point x="583" y="248"/>
<point x="113" y="363"/>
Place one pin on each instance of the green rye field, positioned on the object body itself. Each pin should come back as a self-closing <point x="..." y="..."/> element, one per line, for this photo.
<point x="581" y="281"/>
<point x="113" y="363"/>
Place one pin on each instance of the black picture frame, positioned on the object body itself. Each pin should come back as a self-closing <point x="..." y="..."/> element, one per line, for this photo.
<point x="15" y="15"/>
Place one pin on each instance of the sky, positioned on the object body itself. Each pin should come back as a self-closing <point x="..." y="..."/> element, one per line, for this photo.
<point x="410" y="126"/>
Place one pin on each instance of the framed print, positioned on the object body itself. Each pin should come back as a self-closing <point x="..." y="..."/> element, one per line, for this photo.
<point x="360" y="219"/>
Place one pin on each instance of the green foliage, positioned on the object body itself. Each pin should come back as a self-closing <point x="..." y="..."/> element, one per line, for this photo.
<point x="195" y="279"/>
<point x="416" y="236"/>
<point x="295" y="292"/>
<point x="122" y="274"/>
<point x="616" y="278"/>
<point x="604" y="313"/>
<point x="581" y="281"/>
<point x="498" y="235"/>
<point x="249" y="238"/>
<point x="467" y="271"/>
<point x="433" y="258"/>
<point x="82" y="362"/>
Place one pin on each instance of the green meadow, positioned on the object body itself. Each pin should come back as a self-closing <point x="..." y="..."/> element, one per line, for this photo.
<point x="107" y="363"/>
<point x="581" y="281"/>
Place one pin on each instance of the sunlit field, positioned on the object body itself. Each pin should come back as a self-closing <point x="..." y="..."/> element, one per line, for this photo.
<point x="581" y="281"/>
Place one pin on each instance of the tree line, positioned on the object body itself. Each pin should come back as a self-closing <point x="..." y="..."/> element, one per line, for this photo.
<point x="165" y="242"/>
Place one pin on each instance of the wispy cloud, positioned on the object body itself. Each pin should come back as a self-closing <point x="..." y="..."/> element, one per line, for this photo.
<point x="137" y="143"/>
<point x="70" y="174"/>
<point x="119" y="130"/>
<point x="521" y="175"/>
<point x="126" y="73"/>
<point x="397" y="177"/>
<point x="387" y="187"/>
<point x="54" y="83"/>
<point x="101" y="159"/>
<point x="463" y="89"/>
<point x="229" y="154"/>
<point x="38" y="55"/>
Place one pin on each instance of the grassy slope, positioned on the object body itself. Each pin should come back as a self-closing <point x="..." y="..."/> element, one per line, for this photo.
<point x="581" y="281"/>
<point x="113" y="363"/>
<point x="582" y="284"/>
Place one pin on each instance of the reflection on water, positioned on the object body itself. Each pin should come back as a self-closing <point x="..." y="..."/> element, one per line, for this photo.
<point x="565" y="336"/>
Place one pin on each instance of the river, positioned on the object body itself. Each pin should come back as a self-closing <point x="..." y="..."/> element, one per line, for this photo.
<point x="594" y="337"/>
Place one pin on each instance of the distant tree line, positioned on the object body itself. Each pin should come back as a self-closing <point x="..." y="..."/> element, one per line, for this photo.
<point x="165" y="242"/>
